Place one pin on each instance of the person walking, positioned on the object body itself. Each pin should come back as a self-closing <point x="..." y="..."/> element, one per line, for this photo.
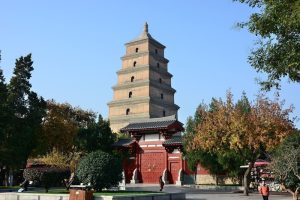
<point x="161" y="183"/>
<point x="264" y="191"/>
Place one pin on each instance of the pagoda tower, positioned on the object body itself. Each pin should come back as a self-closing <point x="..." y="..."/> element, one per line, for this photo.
<point x="144" y="86"/>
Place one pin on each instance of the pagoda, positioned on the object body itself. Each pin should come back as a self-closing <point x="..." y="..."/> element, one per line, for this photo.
<point x="143" y="90"/>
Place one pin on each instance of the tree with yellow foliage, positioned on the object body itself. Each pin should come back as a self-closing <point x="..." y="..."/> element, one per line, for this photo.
<point x="61" y="126"/>
<point x="249" y="131"/>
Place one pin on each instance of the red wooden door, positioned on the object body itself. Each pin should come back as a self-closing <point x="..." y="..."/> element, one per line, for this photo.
<point x="128" y="166"/>
<point x="152" y="166"/>
<point x="174" y="168"/>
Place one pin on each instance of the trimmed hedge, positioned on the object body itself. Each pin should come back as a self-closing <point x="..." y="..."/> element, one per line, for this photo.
<point x="100" y="170"/>
<point x="46" y="176"/>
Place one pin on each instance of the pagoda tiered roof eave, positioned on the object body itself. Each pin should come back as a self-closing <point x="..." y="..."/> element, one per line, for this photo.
<point x="136" y="55"/>
<point x="145" y="37"/>
<point x="144" y="67"/>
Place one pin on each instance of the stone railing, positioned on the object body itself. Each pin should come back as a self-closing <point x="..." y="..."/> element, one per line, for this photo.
<point x="32" y="196"/>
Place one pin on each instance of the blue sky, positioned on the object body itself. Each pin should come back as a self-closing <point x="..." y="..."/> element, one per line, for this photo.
<point x="76" y="47"/>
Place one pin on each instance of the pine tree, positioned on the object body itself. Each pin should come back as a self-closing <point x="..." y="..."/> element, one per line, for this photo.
<point x="3" y="112"/>
<point x="27" y="112"/>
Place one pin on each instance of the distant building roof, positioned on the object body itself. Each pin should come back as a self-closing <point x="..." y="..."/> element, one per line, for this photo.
<point x="123" y="143"/>
<point x="162" y="123"/>
<point x="258" y="163"/>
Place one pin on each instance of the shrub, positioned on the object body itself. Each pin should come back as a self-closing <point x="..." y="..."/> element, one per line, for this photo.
<point x="46" y="176"/>
<point x="33" y="174"/>
<point x="100" y="169"/>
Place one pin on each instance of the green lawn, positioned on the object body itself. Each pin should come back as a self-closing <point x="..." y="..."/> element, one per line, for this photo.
<point x="9" y="187"/>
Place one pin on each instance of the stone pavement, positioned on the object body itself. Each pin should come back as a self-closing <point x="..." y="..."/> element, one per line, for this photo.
<point x="233" y="196"/>
<point x="196" y="194"/>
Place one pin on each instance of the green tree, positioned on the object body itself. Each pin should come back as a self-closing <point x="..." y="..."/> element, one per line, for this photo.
<point x="277" y="51"/>
<point x="23" y="115"/>
<point x="3" y="121"/>
<point x="100" y="169"/>
<point x="232" y="129"/>
<point x="3" y="111"/>
<point x="97" y="136"/>
<point x="28" y="110"/>
<point x="285" y="164"/>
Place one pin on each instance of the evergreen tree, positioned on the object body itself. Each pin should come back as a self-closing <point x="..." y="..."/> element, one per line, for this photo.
<point x="3" y="113"/>
<point x="26" y="112"/>
<point x="19" y="86"/>
<point x="97" y="136"/>
<point x="21" y="113"/>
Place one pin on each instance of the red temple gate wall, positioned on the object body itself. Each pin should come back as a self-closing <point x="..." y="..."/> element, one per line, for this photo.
<point x="174" y="168"/>
<point x="174" y="165"/>
<point x="152" y="166"/>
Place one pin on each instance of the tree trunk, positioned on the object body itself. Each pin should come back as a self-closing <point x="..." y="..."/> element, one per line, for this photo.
<point x="1" y="176"/>
<point x="295" y="195"/>
<point x="11" y="177"/>
<point x="68" y="182"/>
<point x="246" y="182"/>
<point x="6" y="177"/>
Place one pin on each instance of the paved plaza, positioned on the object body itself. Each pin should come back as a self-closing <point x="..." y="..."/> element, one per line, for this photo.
<point x="232" y="196"/>
<point x="196" y="194"/>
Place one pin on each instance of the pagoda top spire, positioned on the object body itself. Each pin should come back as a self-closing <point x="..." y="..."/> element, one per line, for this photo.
<point x="146" y="27"/>
<point x="145" y="33"/>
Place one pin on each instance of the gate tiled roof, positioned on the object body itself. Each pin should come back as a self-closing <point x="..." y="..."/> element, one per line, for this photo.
<point x="163" y="123"/>
<point x="174" y="141"/>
